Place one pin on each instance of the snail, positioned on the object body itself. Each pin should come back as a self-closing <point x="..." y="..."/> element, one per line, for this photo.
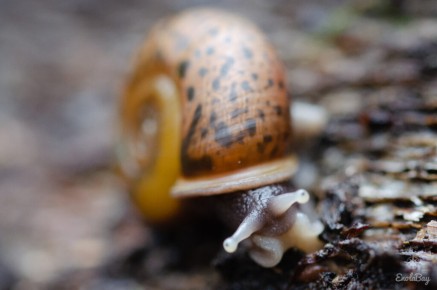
<point x="206" y="115"/>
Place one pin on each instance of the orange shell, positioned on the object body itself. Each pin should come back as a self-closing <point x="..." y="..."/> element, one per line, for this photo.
<point x="234" y="105"/>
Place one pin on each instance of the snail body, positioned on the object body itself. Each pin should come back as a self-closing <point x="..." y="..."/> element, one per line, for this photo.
<point x="206" y="113"/>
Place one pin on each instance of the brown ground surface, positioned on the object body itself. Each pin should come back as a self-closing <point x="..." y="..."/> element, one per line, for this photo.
<point x="65" y="220"/>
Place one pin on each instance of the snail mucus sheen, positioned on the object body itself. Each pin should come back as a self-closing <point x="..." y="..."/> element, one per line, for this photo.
<point x="206" y="115"/>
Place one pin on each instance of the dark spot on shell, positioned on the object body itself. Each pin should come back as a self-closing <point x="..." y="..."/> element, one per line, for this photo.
<point x="261" y="114"/>
<point x="196" y="166"/>
<point x="270" y="83"/>
<point x="260" y="147"/>
<point x="240" y="137"/>
<point x="281" y="85"/>
<point x="210" y="50"/>
<point x="212" y="119"/>
<point x="247" y="52"/>
<point x="192" y="166"/>
<point x="237" y="112"/>
<point x="254" y="76"/>
<point x="278" y="110"/>
<point x="245" y="86"/>
<point x="251" y="127"/>
<point x="226" y="66"/>
<point x="216" y="84"/>
<point x="203" y="132"/>
<point x="190" y="93"/>
<point x="267" y="138"/>
<point x="223" y="135"/>
<point x="233" y="93"/>
<point x="203" y="71"/>
<point x="194" y="121"/>
<point x="274" y="152"/>
<point x="182" y="68"/>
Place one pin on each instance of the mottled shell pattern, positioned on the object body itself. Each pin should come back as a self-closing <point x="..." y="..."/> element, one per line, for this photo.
<point x="235" y="119"/>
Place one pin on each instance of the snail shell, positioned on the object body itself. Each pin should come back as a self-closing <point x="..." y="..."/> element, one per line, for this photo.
<point x="226" y="87"/>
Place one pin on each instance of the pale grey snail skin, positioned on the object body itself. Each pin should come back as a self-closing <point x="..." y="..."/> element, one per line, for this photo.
<point x="221" y="131"/>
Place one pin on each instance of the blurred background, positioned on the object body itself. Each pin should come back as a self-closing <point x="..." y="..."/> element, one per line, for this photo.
<point x="62" y="67"/>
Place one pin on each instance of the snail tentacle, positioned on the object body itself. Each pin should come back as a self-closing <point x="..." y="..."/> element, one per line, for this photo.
<point x="281" y="203"/>
<point x="249" y="225"/>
